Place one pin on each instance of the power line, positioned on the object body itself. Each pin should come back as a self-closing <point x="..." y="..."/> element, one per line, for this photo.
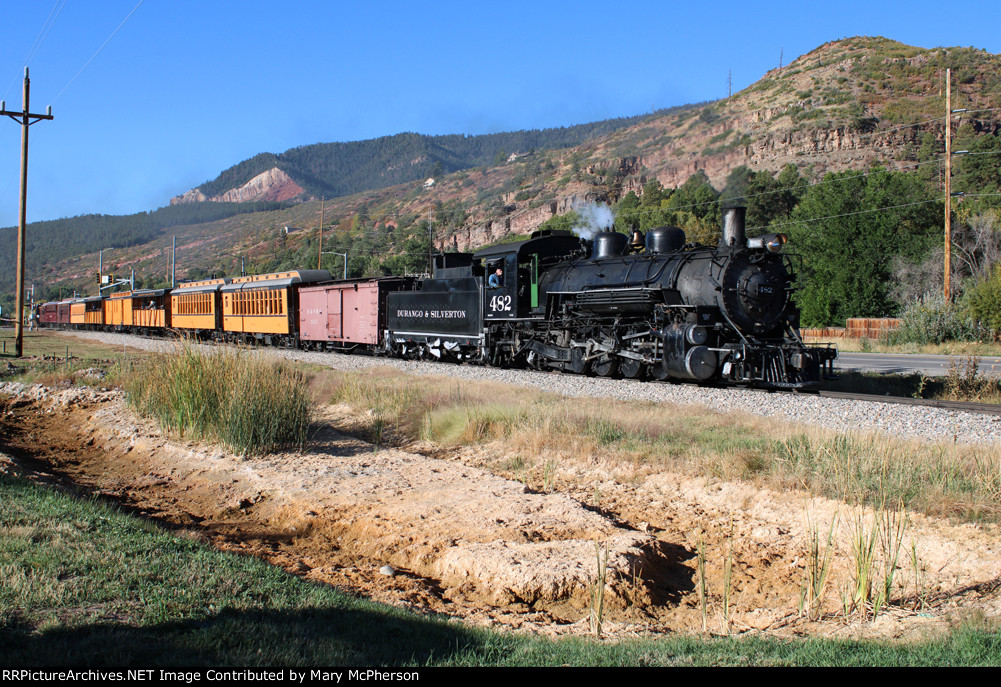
<point x="850" y="214"/>
<point x="107" y="40"/>
<point x="39" y="39"/>
<point x="44" y="33"/>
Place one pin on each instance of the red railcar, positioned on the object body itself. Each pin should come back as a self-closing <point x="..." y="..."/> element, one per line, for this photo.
<point x="347" y="314"/>
<point x="48" y="314"/>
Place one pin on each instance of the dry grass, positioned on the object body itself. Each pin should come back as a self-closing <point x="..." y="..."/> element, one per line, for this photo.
<point x="536" y="432"/>
<point x="964" y="382"/>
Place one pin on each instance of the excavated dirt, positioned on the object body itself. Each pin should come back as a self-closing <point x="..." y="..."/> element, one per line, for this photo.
<point x="455" y="531"/>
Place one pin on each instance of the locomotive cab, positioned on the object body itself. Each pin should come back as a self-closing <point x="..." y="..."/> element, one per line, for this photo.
<point x="516" y="295"/>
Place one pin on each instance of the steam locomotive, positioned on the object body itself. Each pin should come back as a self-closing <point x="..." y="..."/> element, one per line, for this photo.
<point x="654" y="307"/>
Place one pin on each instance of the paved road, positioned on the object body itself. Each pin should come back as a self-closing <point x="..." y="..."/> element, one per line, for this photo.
<point x="931" y="365"/>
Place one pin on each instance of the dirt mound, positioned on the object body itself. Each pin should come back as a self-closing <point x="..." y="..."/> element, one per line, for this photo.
<point x="443" y="532"/>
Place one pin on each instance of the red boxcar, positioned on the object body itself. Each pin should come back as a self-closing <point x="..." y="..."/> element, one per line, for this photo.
<point x="64" y="312"/>
<point x="48" y="314"/>
<point x="348" y="313"/>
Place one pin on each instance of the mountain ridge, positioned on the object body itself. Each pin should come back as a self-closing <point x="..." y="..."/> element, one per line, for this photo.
<point x="338" y="169"/>
<point x="846" y="105"/>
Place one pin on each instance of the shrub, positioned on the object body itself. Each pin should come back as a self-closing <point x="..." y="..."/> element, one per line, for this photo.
<point x="983" y="302"/>
<point x="931" y="321"/>
<point x="250" y="403"/>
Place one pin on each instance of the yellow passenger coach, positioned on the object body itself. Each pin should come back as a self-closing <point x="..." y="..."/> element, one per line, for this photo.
<point x="265" y="306"/>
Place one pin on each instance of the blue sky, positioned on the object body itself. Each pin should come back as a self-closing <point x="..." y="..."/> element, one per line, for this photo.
<point x="186" y="89"/>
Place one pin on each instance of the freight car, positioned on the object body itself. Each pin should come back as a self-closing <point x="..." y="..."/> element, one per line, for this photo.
<point x="347" y="315"/>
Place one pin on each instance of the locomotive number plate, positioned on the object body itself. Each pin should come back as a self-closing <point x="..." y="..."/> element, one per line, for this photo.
<point x="500" y="304"/>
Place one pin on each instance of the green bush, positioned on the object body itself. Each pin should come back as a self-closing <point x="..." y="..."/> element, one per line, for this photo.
<point x="249" y="403"/>
<point x="983" y="302"/>
<point x="933" y="321"/>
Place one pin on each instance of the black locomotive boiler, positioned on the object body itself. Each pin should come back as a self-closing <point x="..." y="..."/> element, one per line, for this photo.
<point x="658" y="307"/>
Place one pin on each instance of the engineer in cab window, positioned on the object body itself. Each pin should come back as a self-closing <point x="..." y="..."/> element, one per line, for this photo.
<point x="496" y="279"/>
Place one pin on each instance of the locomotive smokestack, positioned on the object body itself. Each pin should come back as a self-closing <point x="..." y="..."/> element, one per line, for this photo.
<point x="733" y="228"/>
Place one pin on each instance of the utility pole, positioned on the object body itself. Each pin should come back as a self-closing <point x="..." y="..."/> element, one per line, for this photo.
<point x="319" y="255"/>
<point x="344" y="255"/>
<point x="947" y="288"/>
<point x="26" y="119"/>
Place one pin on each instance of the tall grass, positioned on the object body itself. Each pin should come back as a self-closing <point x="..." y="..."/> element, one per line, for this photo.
<point x="597" y="611"/>
<point x="963" y="382"/>
<point x="937" y="479"/>
<point x="250" y="403"/>
<point x="874" y="553"/>
<point x="820" y="552"/>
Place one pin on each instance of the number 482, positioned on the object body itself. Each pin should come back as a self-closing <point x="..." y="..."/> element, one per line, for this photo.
<point x="500" y="303"/>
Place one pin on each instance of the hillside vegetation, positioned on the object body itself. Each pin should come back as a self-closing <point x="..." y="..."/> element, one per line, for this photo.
<point x="842" y="149"/>
<point x="340" y="169"/>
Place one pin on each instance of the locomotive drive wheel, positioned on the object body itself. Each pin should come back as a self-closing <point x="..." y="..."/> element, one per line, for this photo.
<point x="605" y="366"/>
<point x="631" y="369"/>
<point x="658" y="372"/>
<point x="577" y="363"/>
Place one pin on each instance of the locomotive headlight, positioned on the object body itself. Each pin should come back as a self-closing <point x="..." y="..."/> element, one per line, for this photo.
<point x="775" y="242"/>
<point x="771" y="242"/>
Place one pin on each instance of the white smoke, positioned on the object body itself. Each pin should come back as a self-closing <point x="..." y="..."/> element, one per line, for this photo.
<point x="594" y="217"/>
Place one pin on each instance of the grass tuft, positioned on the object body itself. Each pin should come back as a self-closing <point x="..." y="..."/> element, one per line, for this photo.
<point x="250" y="403"/>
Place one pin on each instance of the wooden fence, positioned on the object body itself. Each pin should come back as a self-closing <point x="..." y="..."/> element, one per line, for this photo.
<point x="858" y="328"/>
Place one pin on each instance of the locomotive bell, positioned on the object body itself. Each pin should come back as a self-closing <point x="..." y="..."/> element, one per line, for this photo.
<point x="637" y="242"/>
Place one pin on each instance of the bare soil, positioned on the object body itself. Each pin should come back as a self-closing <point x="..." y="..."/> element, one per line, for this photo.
<point x="459" y="531"/>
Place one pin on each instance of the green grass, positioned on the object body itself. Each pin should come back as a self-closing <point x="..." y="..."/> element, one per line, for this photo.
<point x="86" y="585"/>
<point x="250" y="403"/>
<point x="49" y="357"/>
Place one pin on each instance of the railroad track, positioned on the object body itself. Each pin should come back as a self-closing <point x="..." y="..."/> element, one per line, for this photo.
<point x="965" y="406"/>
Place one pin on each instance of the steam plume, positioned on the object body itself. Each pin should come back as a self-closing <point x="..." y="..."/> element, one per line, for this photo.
<point x="594" y="217"/>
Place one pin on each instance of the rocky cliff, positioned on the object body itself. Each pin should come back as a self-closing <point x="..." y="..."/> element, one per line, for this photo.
<point x="848" y="104"/>
<point x="273" y="185"/>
